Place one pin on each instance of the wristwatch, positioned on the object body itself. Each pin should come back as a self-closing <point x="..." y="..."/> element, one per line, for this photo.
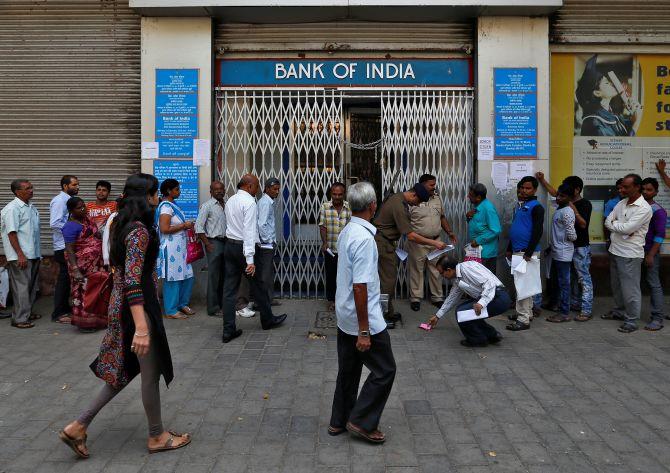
<point x="363" y="333"/>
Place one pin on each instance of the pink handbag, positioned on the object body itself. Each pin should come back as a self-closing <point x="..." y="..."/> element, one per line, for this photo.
<point x="194" y="250"/>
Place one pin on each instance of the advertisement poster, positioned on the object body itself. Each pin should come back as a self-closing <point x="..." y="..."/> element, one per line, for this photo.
<point x="610" y="116"/>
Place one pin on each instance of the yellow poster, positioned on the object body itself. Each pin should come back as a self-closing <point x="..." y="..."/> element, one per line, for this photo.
<point x="610" y="116"/>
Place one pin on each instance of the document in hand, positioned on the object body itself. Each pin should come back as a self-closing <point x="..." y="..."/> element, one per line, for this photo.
<point x="437" y="253"/>
<point x="468" y="315"/>
<point x="402" y="254"/>
<point x="267" y="246"/>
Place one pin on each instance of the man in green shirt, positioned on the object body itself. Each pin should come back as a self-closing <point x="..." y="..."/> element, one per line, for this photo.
<point x="483" y="226"/>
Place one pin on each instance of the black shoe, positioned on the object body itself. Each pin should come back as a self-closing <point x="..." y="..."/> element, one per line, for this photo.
<point x="232" y="336"/>
<point x="627" y="328"/>
<point x="497" y="339"/>
<point x="416" y="306"/>
<point x="516" y="326"/>
<point x="276" y="322"/>
<point x="469" y="344"/>
<point x="5" y="315"/>
<point x="390" y="324"/>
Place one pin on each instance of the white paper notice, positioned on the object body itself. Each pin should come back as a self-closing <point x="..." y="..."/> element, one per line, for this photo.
<point x="330" y="252"/>
<point x="201" y="152"/>
<point x="149" y="150"/>
<point x="519" y="169"/>
<point x="485" y="148"/>
<point x="467" y="315"/>
<point x="499" y="175"/>
<point x="402" y="254"/>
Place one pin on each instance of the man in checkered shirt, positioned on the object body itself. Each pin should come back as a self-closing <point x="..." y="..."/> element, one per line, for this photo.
<point x="334" y="215"/>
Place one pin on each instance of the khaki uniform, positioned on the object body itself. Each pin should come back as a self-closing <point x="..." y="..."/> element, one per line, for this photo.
<point x="392" y="222"/>
<point x="425" y="220"/>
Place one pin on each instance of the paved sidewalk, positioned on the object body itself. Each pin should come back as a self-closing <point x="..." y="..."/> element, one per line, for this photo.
<point x="568" y="397"/>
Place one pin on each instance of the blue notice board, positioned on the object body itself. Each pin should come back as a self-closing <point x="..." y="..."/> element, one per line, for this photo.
<point x="176" y="112"/>
<point x="187" y="175"/>
<point x="515" y="111"/>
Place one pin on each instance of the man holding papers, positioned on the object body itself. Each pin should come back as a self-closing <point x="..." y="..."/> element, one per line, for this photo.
<point x="475" y="289"/>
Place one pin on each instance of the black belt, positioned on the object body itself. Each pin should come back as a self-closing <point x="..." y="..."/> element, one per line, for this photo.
<point x="218" y="238"/>
<point x="233" y="240"/>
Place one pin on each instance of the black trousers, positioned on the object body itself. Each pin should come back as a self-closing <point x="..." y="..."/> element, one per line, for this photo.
<point x="479" y="331"/>
<point x="215" y="276"/>
<point x="235" y="267"/>
<point x="331" y="276"/>
<point x="491" y="264"/>
<point x="265" y="259"/>
<point x="366" y="409"/>
<point x="62" y="289"/>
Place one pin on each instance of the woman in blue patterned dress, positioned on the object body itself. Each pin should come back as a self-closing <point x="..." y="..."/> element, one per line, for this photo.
<point x="176" y="273"/>
<point x="135" y="341"/>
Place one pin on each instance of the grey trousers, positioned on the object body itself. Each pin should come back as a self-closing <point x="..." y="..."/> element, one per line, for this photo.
<point x="215" y="275"/>
<point x="653" y="279"/>
<point x="23" y="284"/>
<point x="625" y="280"/>
<point x="267" y="273"/>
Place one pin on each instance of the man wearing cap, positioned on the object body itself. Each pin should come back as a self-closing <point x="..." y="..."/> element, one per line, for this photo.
<point x="392" y="222"/>
<point x="267" y="234"/>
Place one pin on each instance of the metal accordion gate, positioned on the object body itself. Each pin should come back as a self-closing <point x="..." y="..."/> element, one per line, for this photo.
<point x="297" y="136"/>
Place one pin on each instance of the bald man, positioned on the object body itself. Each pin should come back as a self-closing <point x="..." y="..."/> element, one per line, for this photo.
<point x="240" y="256"/>
<point x="210" y="226"/>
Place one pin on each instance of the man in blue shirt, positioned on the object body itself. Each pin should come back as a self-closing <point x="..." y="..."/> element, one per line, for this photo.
<point x="267" y="234"/>
<point x="362" y="336"/>
<point x="20" y="228"/>
<point x="483" y="226"/>
<point x="58" y="215"/>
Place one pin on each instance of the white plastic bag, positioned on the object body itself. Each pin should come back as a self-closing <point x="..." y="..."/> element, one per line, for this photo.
<point x="527" y="279"/>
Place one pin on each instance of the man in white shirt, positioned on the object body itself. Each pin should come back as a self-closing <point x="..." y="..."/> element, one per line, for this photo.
<point x="267" y="233"/>
<point x="628" y="224"/>
<point x="240" y="251"/>
<point x="20" y="228"/>
<point x="210" y="226"/>
<point x="474" y="288"/>
<point x="58" y="215"/>
<point x="362" y="337"/>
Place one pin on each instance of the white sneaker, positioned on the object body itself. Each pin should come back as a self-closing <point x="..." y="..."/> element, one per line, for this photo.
<point x="246" y="313"/>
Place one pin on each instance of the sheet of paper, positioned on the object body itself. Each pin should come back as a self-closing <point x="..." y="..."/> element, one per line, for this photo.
<point x="330" y="252"/>
<point x="267" y="246"/>
<point x="149" y="150"/>
<point x="201" y="152"/>
<point x="499" y="175"/>
<point x="437" y="253"/>
<point x="402" y="254"/>
<point x="467" y="315"/>
<point x="485" y="148"/>
<point x="519" y="169"/>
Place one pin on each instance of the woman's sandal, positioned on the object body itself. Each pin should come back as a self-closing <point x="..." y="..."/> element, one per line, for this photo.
<point x="335" y="431"/>
<point x="186" y="310"/>
<point x="66" y="319"/>
<point x="74" y="443"/>
<point x="178" y="315"/>
<point x="170" y="441"/>
<point x="374" y="437"/>
<point x="23" y="325"/>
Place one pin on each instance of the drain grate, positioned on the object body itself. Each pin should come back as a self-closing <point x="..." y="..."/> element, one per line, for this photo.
<point x="325" y="319"/>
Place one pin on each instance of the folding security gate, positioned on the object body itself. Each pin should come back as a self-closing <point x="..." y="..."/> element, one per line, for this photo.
<point x="297" y="136"/>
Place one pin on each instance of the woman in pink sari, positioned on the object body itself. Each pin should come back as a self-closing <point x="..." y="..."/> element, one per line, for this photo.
<point x="83" y="253"/>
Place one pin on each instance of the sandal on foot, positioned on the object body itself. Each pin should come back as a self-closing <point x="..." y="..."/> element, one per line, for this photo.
<point x="583" y="317"/>
<point x="557" y="319"/>
<point x="23" y="325"/>
<point x="169" y="443"/>
<point x="373" y="437"/>
<point x="335" y="431"/>
<point x="74" y="443"/>
<point x="187" y="311"/>
<point x="66" y="319"/>
<point x="627" y="328"/>
<point x="654" y="326"/>
<point x="178" y="315"/>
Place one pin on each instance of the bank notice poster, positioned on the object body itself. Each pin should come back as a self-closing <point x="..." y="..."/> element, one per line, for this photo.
<point x="610" y="116"/>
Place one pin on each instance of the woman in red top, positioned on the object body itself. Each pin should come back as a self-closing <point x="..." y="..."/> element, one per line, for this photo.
<point x="135" y="341"/>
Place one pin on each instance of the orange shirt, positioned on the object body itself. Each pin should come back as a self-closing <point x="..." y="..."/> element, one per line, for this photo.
<point x="100" y="213"/>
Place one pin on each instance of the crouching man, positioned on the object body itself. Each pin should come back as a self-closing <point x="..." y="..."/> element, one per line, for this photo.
<point x="474" y="287"/>
<point x="362" y="336"/>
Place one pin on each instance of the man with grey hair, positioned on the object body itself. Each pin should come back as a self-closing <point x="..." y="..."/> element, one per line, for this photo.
<point x="362" y="337"/>
<point x="267" y="234"/>
<point x="20" y="229"/>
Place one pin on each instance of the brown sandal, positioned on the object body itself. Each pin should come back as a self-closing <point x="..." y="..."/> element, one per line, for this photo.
<point x="335" y="431"/>
<point x="374" y="437"/>
<point x="74" y="443"/>
<point x="23" y="325"/>
<point x="186" y="310"/>
<point x="178" y="316"/>
<point x="169" y="443"/>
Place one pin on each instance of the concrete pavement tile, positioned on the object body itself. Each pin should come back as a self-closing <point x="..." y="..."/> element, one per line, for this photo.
<point x="466" y="455"/>
<point x="417" y="407"/>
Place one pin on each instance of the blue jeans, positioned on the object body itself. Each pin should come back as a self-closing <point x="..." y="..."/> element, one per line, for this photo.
<point x="582" y="291"/>
<point x="654" y="281"/>
<point x="563" y="272"/>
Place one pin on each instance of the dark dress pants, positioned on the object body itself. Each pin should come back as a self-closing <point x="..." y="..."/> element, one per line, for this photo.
<point x="330" y="262"/>
<point x="215" y="276"/>
<point x="62" y="289"/>
<point x="365" y="410"/>
<point x="235" y="266"/>
<point x="479" y="331"/>
<point x="265" y="260"/>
